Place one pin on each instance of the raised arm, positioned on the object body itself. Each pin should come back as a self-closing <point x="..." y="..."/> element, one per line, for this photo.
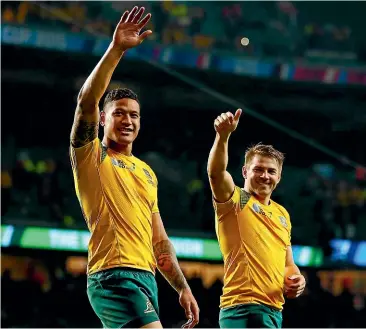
<point x="168" y="266"/>
<point x="127" y="35"/>
<point x="221" y="182"/>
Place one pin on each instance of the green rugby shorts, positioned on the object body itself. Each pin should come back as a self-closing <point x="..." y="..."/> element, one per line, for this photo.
<point x="124" y="297"/>
<point x="250" y="316"/>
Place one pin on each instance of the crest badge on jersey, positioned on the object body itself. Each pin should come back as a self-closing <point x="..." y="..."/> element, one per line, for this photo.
<point x="149" y="177"/>
<point x="283" y="221"/>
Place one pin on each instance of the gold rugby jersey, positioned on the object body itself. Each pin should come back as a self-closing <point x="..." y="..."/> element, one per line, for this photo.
<point x="253" y="239"/>
<point x="117" y="195"/>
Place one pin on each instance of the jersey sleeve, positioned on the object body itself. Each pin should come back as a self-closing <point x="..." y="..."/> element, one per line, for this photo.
<point x="155" y="207"/>
<point x="289" y="226"/>
<point x="223" y="208"/>
<point x="289" y="230"/>
<point x="87" y="155"/>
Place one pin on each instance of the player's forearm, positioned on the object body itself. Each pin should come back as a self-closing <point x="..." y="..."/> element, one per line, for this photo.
<point x="97" y="82"/>
<point x="218" y="158"/>
<point x="291" y="270"/>
<point x="168" y="265"/>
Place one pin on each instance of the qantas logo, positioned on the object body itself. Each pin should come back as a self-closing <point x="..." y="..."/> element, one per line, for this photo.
<point x="122" y="164"/>
<point x="257" y="208"/>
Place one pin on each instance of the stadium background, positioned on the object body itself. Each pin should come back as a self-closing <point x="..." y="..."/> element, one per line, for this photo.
<point x="301" y="81"/>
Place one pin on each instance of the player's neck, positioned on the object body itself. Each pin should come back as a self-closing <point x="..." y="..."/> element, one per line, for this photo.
<point x="125" y="149"/>
<point x="263" y="200"/>
<point x="266" y="200"/>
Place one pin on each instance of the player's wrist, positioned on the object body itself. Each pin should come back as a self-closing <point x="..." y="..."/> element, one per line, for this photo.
<point x="184" y="288"/>
<point x="223" y="137"/>
<point x="117" y="48"/>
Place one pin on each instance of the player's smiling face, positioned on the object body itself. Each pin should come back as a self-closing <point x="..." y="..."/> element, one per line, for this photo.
<point x="121" y="120"/>
<point x="262" y="175"/>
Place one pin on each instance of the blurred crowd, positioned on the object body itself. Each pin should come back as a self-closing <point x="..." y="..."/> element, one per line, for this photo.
<point x="276" y="28"/>
<point x="338" y="206"/>
<point x="56" y="298"/>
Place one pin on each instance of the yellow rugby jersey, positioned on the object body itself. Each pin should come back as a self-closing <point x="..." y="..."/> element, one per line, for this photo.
<point x="118" y="195"/>
<point x="253" y="239"/>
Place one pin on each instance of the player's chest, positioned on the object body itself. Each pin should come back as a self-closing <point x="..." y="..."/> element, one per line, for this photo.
<point x="268" y="223"/>
<point x="129" y="175"/>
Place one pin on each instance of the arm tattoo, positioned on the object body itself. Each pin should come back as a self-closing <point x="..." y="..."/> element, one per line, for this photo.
<point x="168" y="265"/>
<point x="83" y="132"/>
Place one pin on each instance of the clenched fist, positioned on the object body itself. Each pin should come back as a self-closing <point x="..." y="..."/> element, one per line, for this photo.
<point x="227" y="122"/>
<point x="294" y="286"/>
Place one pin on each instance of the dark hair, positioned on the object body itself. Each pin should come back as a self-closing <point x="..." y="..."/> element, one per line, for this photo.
<point x="119" y="93"/>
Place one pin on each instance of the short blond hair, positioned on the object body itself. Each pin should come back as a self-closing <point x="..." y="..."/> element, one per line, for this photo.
<point x="264" y="150"/>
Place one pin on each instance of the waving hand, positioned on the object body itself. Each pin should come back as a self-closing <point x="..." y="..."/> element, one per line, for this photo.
<point x="128" y="31"/>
